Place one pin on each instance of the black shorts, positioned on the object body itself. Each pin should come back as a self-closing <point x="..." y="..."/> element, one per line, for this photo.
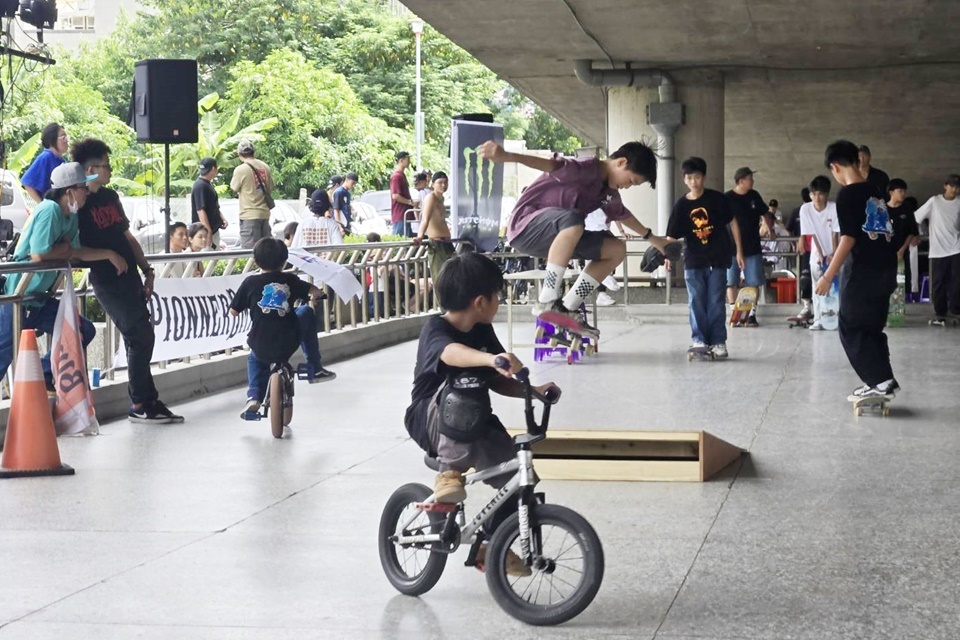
<point x="539" y="234"/>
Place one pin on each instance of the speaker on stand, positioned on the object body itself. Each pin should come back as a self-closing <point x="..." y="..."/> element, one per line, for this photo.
<point x="163" y="109"/>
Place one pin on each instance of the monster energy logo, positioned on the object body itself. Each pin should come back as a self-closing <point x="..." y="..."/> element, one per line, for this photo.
<point x="477" y="176"/>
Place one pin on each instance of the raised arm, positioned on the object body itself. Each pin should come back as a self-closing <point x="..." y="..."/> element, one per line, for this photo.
<point x="493" y="151"/>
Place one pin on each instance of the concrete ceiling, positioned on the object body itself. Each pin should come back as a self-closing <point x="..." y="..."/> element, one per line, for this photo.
<point x="533" y="43"/>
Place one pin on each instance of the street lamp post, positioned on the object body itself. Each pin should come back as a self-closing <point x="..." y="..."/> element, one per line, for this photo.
<point x="417" y="26"/>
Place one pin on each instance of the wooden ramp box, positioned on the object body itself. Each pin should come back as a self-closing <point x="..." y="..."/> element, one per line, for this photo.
<point x="638" y="456"/>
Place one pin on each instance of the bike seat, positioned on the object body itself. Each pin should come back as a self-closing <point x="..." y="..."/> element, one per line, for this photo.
<point x="431" y="462"/>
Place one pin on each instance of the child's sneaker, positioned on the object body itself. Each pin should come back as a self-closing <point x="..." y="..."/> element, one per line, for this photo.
<point x="719" y="350"/>
<point x="448" y="488"/>
<point x="604" y="300"/>
<point x="515" y="566"/>
<point x="322" y="375"/>
<point x="611" y="283"/>
<point x="816" y="326"/>
<point x="252" y="406"/>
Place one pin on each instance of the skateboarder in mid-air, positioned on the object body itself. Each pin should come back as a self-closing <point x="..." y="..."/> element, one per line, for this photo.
<point x="548" y="220"/>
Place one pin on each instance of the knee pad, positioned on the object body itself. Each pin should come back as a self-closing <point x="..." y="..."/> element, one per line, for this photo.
<point x="465" y="411"/>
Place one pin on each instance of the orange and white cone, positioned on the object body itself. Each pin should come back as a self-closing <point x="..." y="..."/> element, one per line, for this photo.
<point x="30" y="446"/>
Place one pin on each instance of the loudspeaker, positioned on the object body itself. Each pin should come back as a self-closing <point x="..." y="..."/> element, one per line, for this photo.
<point x="164" y="102"/>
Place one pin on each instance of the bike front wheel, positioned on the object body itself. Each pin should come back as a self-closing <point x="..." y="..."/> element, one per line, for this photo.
<point x="275" y="397"/>
<point x="411" y="569"/>
<point x="567" y="566"/>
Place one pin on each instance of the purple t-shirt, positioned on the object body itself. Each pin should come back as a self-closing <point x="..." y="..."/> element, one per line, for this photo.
<point x="575" y="184"/>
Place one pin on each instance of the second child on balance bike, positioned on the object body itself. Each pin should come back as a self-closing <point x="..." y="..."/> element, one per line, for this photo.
<point x="450" y="416"/>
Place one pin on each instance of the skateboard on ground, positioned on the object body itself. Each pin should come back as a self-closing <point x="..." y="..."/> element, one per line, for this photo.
<point x="702" y="354"/>
<point x="799" y="320"/>
<point x="877" y="403"/>
<point x="568" y="331"/>
<point x="746" y="300"/>
<point x="947" y="322"/>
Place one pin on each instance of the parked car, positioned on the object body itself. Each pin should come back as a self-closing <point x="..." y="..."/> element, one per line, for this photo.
<point x="379" y="200"/>
<point x="13" y="200"/>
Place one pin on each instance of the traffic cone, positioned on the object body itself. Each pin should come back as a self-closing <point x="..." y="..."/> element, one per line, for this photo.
<point x="30" y="446"/>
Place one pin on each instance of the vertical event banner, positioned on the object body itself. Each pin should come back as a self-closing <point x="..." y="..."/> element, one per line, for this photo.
<point x="476" y="185"/>
<point x="73" y="412"/>
<point x="192" y="316"/>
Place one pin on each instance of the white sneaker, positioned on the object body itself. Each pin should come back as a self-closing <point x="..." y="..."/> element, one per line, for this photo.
<point x="604" y="300"/>
<point x="719" y="350"/>
<point x="816" y="326"/>
<point x="611" y="283"/>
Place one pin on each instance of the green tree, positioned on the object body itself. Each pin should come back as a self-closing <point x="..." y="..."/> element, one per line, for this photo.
<point x="323" y="128"/>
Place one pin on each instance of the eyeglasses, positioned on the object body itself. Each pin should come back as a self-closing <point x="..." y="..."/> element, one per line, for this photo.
<point x="63" y="136"/>
<point x="102" y="166"/>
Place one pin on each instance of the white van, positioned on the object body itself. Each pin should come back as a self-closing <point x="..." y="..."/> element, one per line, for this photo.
<point x="13" y="200"/>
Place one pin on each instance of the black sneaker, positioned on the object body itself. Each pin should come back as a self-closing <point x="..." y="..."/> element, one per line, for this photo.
<point x="322" y="375"/>
<point x="752" y="321"/>
<point x="153" y="413"/>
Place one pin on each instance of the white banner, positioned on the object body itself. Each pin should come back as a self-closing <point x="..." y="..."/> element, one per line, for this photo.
<point x="192" y="316"/>
<point x="336" y="276"/>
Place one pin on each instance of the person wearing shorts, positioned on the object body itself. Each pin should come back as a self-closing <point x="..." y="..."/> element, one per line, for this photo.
<point x="548" y="220"/>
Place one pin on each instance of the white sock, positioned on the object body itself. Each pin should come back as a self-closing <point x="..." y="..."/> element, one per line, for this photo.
<point x="583" y="287"/>
<point x="552" y="282"/>
<point x="885" y="386"/>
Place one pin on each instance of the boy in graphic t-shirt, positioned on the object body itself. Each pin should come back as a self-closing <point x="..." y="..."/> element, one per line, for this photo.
<point x="866" y="259"/>
<point x="818" y="223"/>
<point x="701" y="218"/>
<point x="548" y="219"/>
<point x="276" y="332"/>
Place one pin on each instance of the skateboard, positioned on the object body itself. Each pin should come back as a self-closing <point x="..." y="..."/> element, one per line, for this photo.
<point x="703" y="354"/>
<point x="550" y="334"/>
<point x="746" y="299"/>
<point x="896" y="317"/>
<point x="879" y="403"/>
<point x="947" y="322"/>
<point x="830" y="307"/>
<point x="799" y="321"/>
<point x="565" y="324"/>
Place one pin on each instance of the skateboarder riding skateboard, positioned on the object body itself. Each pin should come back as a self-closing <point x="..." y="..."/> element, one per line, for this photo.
<point x="548" y="220"/>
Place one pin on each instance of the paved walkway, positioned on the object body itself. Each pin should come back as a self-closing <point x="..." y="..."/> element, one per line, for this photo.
<point x="834" y="527"/>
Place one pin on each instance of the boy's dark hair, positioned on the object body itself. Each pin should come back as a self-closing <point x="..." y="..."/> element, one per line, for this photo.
<point x="820" y="184"/>
<point x="693" y="165"/>
<point x="271" y="254"/>
<point x="953" y="180"/>
<point x="438" y="175"/>
<point x="466" y="276"/>
<point x="176" y="225"/>
<point x="805" y="194"/>
<point x="641" y="160"/>
<point x="420" y="177"/>
<point x="353" y="176"/>
<point x="48" y="138"/>
<point x="843" y="153"/>
<point x="88" y="149"/>
<point x="290" y="230"/>
<point x="896" y="183"/>
<point x="374" y="237"/>
<point x="911" y="202"/>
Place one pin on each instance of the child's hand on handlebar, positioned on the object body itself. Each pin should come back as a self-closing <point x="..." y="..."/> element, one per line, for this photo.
<point x="499" y="363"/>
<point x="550" y="388"/>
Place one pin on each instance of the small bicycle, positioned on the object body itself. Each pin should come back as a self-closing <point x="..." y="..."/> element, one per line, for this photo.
<point x="559" y="546"/>
<point x="277" y="403"/>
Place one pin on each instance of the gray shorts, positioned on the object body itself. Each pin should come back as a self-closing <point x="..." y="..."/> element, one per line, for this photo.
<point x="539" y="234"/>
<point x="253" y="230"/>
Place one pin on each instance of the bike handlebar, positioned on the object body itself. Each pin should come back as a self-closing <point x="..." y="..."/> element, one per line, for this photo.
<point x="550" y="397"/>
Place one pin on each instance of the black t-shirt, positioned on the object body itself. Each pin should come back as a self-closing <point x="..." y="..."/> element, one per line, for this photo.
<point x="103" y="225"/>
<point x="793" y="223"/>
<point x="430" y="372"/>
<point x="904" y="223"/>
<point x="205" y="197"/>
<point x="879" y="179"/>
<point x="747" y="209"/>
<point x="341" y="203"/>
<point x="275" y="334"/>
<point x="852" y="201"/>
<point x="703" y="222"/>
<point x="320" y="202"/>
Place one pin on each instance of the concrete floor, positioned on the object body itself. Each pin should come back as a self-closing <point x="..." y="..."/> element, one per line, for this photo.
<point x="833" y="527"/>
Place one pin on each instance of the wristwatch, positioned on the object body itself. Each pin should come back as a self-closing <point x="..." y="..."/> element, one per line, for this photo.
<point x="647" y="235"/>
<point x="148" y="271"/>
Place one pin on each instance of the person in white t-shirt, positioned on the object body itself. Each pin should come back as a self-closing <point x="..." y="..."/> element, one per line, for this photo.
<point x="317" y="230"/>
<point x="943" y="213"/>
<point x="818" y="219"/>
<point x="597" y="221"/>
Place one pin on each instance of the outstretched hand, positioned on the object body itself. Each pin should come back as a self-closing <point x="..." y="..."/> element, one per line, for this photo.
<point x="490" y="150"/>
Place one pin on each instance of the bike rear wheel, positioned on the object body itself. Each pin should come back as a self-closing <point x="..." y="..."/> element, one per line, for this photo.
<point x="567" y="569"/>
<point x="411" y="569"/>
<point x="276" y="404"/>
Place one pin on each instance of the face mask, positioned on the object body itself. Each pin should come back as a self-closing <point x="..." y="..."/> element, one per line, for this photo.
<point x="72" y="206"/>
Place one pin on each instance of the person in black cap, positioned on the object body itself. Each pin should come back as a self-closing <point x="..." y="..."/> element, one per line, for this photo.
<point x="876" y="177"/>
<point x="747" y="207"/>
<point x="205" y="203"/>
<point x="401" y="202"/>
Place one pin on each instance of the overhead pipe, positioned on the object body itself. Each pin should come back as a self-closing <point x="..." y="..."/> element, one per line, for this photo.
<point x="666" y="141"/>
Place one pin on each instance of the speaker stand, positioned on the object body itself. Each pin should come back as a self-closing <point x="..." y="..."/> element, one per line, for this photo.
<point x="166" y="197"/>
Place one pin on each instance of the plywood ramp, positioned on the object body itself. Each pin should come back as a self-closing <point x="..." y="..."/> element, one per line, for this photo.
<point x="637" y="456"/>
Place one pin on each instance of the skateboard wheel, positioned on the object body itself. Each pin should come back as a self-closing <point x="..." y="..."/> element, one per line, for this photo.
<point x="540" y="334"/>
<point x="590" y="350"/>
<point x="886" y="411"/>
<point x="553" y="343"/>
<point x="570" y="359"/>
<point x="576" y="344"/>
<point x="858" y="411"/>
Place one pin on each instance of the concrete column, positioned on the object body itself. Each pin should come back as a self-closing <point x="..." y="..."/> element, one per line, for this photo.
<point x="702" y="94"/>
<point x="626" y="122"/>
